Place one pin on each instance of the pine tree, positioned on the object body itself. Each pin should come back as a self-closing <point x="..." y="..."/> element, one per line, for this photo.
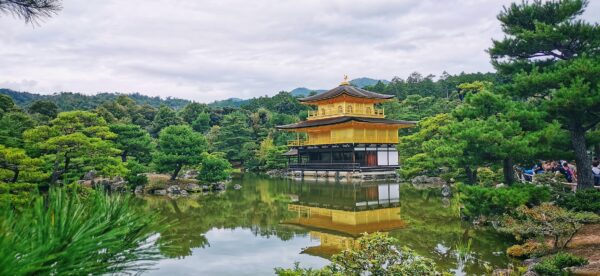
<point x="553" y="61"/>
<point x="234" y="137"/>
<point x="178" y="146"/>
<point x="132" y="140"/>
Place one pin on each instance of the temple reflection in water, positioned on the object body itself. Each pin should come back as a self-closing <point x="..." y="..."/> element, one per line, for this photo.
<point x="337" y="215"/>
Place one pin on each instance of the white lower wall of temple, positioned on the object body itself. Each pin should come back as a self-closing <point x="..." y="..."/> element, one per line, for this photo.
<point x="393" y="158"/>
<point x="342" y="176"/>
<point x="387" y="158"/>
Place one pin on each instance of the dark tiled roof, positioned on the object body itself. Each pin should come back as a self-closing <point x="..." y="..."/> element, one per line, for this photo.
<point x="339" y="120"/>
<point x="348" y="90"/>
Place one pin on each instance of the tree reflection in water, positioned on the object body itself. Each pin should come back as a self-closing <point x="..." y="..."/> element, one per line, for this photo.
<point x="335" y="214"/>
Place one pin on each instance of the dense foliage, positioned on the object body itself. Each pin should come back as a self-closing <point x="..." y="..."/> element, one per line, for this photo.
<point x="214" y="168"/>
<point x="476" y="128"/>
<point x="553" y="61"/>
<point x="68" y="234"/>
<point x="375" y="254"/>
<point x="546" y="220"/>
<point x="581" y="201"/>
<point x="484" y="201"/>
<point x="555" y="265"/>
<point x="178" y="146"/>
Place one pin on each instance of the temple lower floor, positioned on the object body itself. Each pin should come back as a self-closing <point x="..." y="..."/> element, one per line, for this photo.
<point x="345" y="157"/>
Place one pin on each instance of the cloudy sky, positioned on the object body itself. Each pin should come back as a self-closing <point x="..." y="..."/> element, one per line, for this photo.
<point x="210" y="50"/>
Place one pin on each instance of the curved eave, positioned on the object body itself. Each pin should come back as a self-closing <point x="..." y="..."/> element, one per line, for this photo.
<point x="348" y="90"/>
<point x="345" y="119"/>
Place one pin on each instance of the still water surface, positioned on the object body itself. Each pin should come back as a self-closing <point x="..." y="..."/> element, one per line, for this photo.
<point x="276" y="222"/>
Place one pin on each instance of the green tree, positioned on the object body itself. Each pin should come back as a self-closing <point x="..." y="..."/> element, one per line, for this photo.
<point x="164" y="117"/>
<point x="504" y="117"/>
<point x="190" y="112"/>
<point x="552" y="59"/>
<point x="18" y="163"/>
<point x="6" y="104"/>
<point x="416" y="107"/>
<point x="133" y="141"/>
<point x="271" y="156"/>
<point x="135" y="175"/>
<point x="260" y="121"/>
<point x="417" y="158"/>
<point x="214" y="168"/>
<point x="233" y="137"/>
<point x="74" y="143"/>
<point x="45" y="108"/>
<point x="12" y="126"/>
<point x="201" y="123"/>
<point x="178" y="146"/>
<point x="469" y="144"/>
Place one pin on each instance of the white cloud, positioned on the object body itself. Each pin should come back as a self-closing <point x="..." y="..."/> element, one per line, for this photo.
<point x="208" y="50"/>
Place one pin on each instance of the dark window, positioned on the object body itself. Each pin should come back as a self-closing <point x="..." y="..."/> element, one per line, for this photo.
<point x="319" y="157"/>
<point x="342" y="157"/>
<point x="360" y="157"/>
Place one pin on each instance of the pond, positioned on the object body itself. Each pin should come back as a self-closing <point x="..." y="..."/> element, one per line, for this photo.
<point x="275" y="222"/>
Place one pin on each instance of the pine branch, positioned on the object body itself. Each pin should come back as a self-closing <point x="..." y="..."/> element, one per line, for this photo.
<point x="30" y="10"/>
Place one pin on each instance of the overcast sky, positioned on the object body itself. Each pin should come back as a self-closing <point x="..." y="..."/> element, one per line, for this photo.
<point x="210" y="50"/>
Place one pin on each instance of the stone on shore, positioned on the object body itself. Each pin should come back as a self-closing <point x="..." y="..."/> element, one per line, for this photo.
<point x="428" y="181"/>
<point x="192" y="188"/>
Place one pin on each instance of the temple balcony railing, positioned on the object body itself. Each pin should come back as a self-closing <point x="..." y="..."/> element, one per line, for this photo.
<point x="339" y="167"/>
<point x="343" y="140"/>
<point x="325" y="166"/>
<point x="370" y="113"/>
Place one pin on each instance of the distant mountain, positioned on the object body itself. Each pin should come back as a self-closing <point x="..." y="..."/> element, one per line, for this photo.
<point x="231" y="102"/>
<point x="70" y="101"/>
<point x="303" y="91"/>
<point x="363" y="82"/>
<point x="360" y="82"/>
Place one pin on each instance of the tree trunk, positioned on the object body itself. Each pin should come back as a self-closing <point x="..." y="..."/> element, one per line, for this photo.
<point x="55" y="172"/>
<point x="471" y="175"/>
<point x="16" y="176"/>
<point x="124" y="156"/>
<point x="176" y="172"/>
<point x="67" y="163"/>
<point x="509" y="174"/>
<point x="597" y="151"/>
<point x="584" y="164"/>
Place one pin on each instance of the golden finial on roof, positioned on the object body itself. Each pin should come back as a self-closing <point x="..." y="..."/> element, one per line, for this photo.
<point x="345" y="82"/>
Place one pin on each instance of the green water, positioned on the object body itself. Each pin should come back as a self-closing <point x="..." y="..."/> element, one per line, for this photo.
<point x="274" y="223"/>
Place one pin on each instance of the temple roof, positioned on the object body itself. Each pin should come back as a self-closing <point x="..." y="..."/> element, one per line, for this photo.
<point x="348" y="90"/>
<point x="344" y="119"/>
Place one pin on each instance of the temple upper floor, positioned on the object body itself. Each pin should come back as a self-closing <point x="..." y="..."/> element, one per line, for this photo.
<point x="345" y="108"/>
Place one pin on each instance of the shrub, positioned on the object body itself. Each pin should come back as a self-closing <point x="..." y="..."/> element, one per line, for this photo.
<point x="583" y="200"/>
<point x="487" y="177"/>
<point x="298" y="271"/>
<point x="529" y="248"/>
<point x="375" y="254"/>
<point x="17" y="194"/>
<point x="555" y="264"/>
<point x="135" y="176"/>
<point x="214" y="168"/>
<point x="546" y="220"/>
<point x="484" y="201"/>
